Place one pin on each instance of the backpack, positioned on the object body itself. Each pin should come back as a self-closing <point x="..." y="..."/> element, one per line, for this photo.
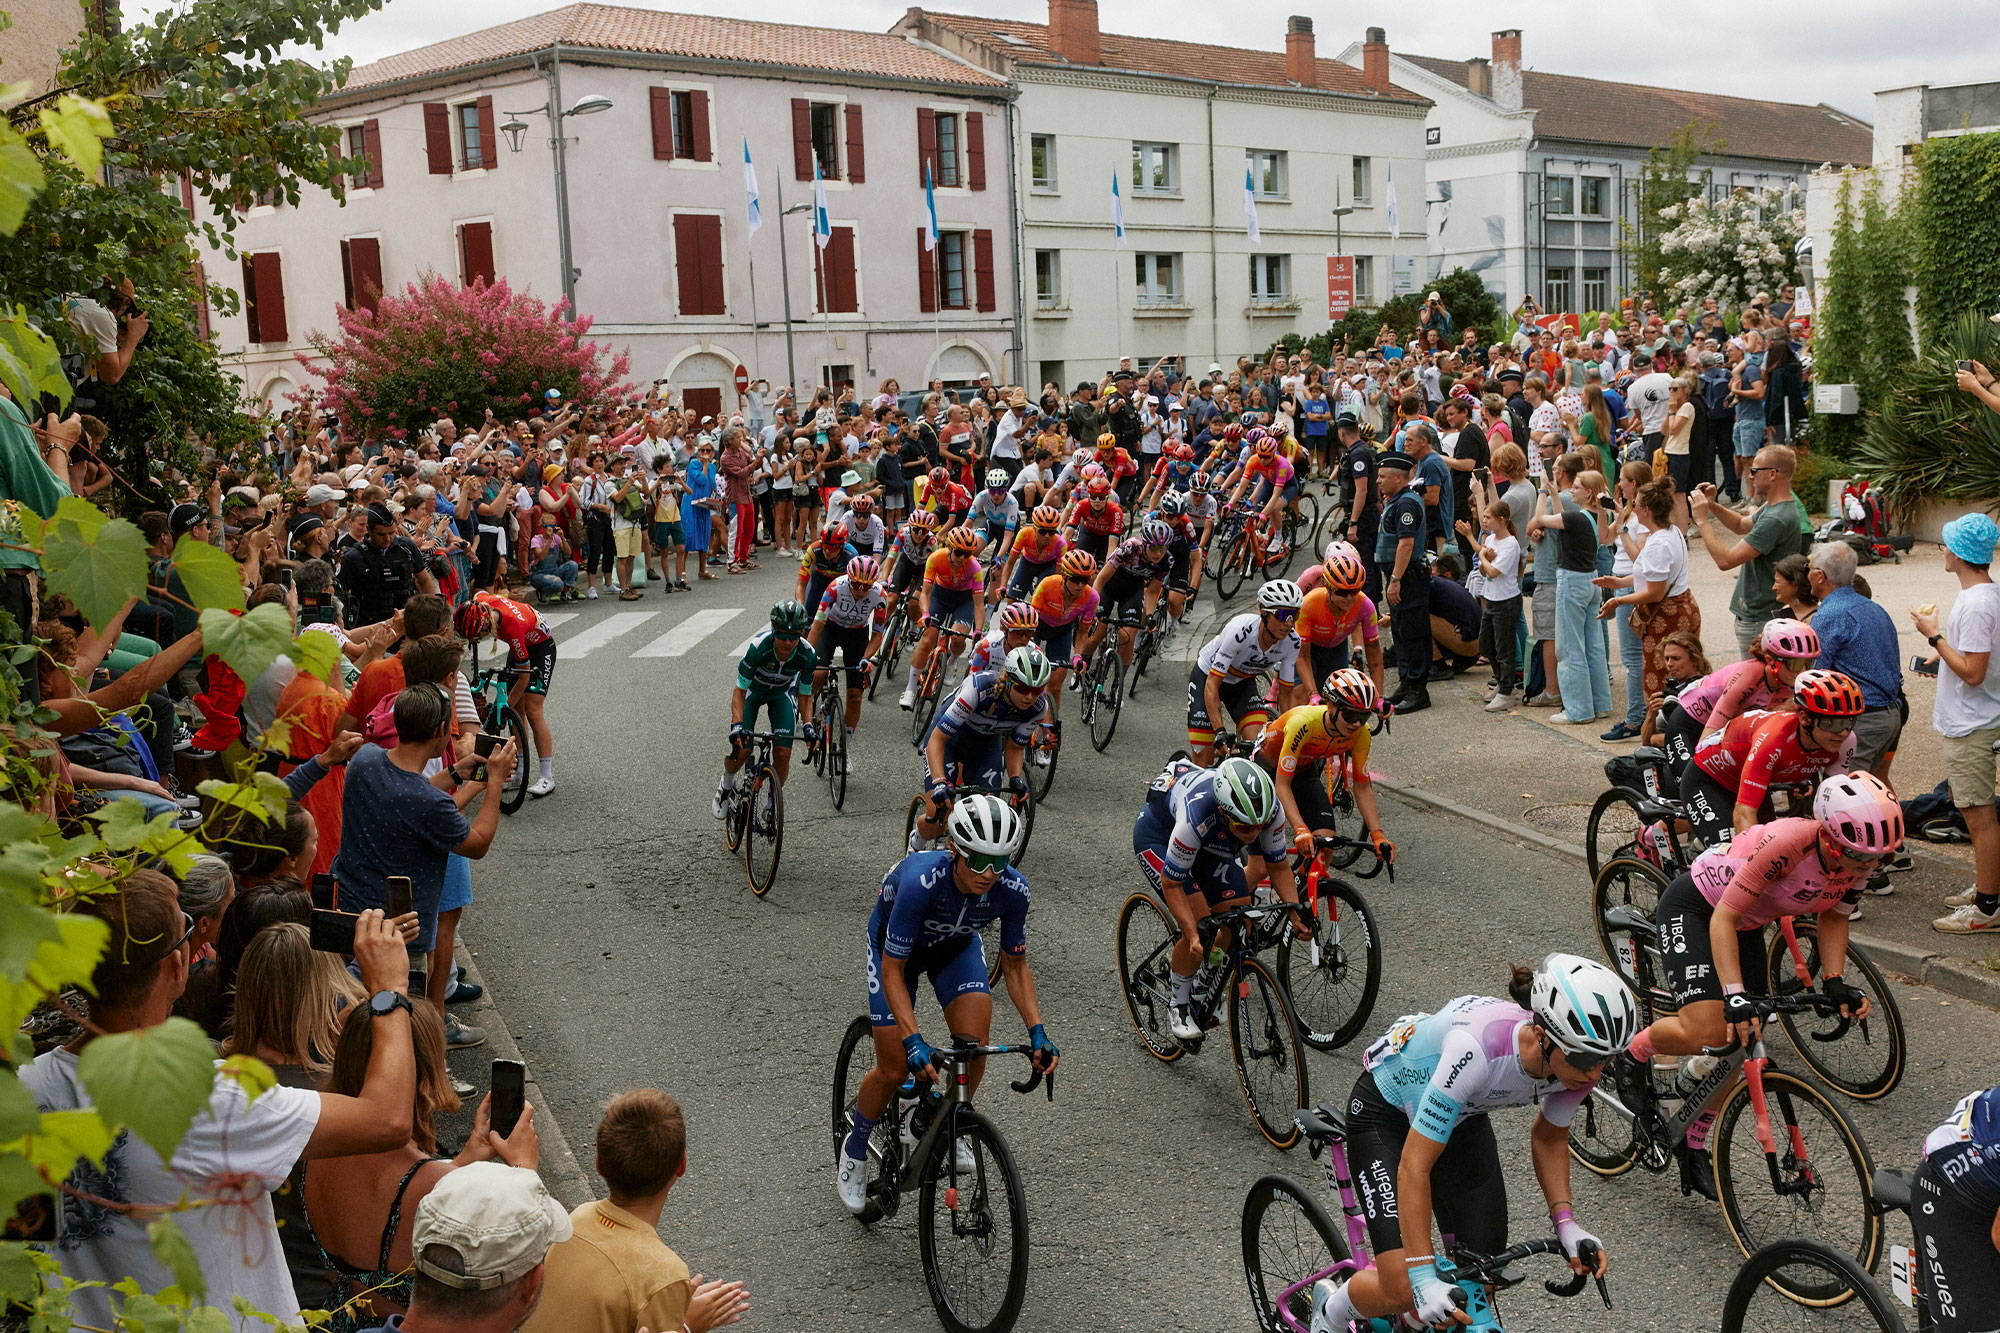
<point x="1715" y="393"/>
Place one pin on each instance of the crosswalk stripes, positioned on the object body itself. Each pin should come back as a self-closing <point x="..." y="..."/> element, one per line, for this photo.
<point x="612" y="627"/>
<point x="677" y="641"/>
<point x="554" y="618"/>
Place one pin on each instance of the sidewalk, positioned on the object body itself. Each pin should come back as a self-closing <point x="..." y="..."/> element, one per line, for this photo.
<point x="1534" y="781"/>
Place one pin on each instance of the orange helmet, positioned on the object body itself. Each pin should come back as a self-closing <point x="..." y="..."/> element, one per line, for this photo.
<point x="1018" y="616"/>
<point x="1079" y="564"/>
<point x="1046" y="517"/>
<point x="1107" y="441"/>
<point x="1097" y="487"/>
<point x="1349" y="688"/>
<point x="1267" y="446"/>
<point x="1344" y="573"/>
<point x="1828" y="694"/>
<point x="964" y="539"/>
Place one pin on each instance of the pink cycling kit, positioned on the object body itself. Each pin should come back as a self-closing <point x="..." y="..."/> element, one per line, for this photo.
<point x="1732" y="691"/>
<point x="1773" y="870"/>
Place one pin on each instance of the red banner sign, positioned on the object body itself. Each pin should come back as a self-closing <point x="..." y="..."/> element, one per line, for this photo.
<point x="1339" y="287"/>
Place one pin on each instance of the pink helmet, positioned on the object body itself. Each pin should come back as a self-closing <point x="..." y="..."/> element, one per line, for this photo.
<point x="1337" y="548"/>
<point x="1859" y="812"/>
<point x="1784" y="637"/>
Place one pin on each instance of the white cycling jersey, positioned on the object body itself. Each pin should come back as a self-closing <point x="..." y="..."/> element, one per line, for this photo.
<point x="1237" y="653"/>
<point x="847" y="606"/>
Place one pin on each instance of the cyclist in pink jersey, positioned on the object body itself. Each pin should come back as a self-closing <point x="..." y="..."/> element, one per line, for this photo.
<point x="1711" y="918"/>
<point x="1762" y="680"/>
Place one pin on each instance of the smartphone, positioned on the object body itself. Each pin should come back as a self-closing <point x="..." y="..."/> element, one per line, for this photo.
<point x="1965" y="366"/>
<point x="399" y="896"/>
<point x="325" y="892"/>
<point x="1924" y="666"/>
<point x="510" y="1088"/>
<point x="332" y="931"/>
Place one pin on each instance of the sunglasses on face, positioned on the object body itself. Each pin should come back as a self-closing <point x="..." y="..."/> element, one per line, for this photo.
<point x="1353" y="716"/>
<point x="1833" y="726"/>
<point x="1584" y="1062"/>
<point x="985" y="863"/>
<point x="1286" y="616"/>
<point x="785" y="638"/>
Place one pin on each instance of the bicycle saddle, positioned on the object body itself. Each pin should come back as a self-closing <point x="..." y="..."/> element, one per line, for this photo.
<point x="1328" y="1120"/>
<point x="1649" y="754"/>
<point x="1658" y="811"/>
<point x="1891" y="1189"/>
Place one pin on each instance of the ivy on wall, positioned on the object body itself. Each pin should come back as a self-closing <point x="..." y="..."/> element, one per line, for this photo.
<point x="1954" y="222"/>
<point x="1860" y="334"/>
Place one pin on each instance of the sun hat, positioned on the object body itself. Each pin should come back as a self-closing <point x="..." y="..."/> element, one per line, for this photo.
<point x="1971" y="537"/>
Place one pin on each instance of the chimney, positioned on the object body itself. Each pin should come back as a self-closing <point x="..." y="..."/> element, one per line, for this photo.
<point x="1073" y="31"/>
<point x="1301" y="62"/>
<point x="1479" y="76"/>
<point x="1506" y="73"/>
<point x="1375" y="60"/>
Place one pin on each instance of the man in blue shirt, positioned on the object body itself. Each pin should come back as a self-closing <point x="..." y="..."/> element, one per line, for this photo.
<point x="1858" y="637"/>
<point x="1432" y="481"/>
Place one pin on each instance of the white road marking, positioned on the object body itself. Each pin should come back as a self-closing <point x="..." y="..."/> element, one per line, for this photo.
<point x="555" y="618"/>
<point x="677" y="641"/>
<point x="604" y="631"/>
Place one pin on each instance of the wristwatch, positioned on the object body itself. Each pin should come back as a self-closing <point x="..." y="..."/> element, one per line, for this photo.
<point x="1933" y="640"/>
<point x="385" y="1002"/>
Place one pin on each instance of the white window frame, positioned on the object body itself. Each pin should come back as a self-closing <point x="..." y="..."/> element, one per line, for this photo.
<point x="458" y="167"/>
<point x="1053" y="298"/>
<point x="1049" y="183"/>
<point x="967" y="267"/>
<point x="714" y="162"/>
<point x="839" y="105"/>
<point x="1146" y="291"/>
<point x="1144" y="153"/>
<point x="961" y="160"/>
<point x="1261" y="266"/>
<point x="1567" y="283"/>
<point x="1361" y="181"/>
<point x="1279" y="162"/>
<point x="1563" y="186"/>
<point x="1603" y="184"/>
<point x="1364" y="280"/>
<point x="1584" y="284"/>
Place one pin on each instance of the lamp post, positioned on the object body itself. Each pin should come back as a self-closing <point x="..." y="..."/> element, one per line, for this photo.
<point x="1339" y="211"/>
<point x="515" y="129"/>
<point x="785" y="283"/>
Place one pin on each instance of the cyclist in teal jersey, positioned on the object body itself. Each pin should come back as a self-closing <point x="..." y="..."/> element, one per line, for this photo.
<point x="776" y="671"/>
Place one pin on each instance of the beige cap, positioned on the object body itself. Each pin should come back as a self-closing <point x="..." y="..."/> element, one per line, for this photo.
<point x="500" y="1220"/>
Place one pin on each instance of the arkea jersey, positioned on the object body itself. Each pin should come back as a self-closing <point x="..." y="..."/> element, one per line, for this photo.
<point x="519" y="625"/>
<point x="1106" y="522"/>
<point x="1462" y="1060"/>
<point x="850" y="607"/>
<point x="1238" y="653"/>
<point x="762" y="672"/>
<point x="921" y="915"/>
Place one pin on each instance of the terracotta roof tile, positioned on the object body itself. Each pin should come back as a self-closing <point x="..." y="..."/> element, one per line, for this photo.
<point x="1150" y="55"/>
<point x="646" y="31"/>
<point x="1638" y="115"/>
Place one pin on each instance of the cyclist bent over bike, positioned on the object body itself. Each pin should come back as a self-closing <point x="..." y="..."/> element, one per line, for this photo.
<point x="776" y="671"/>
<point x="980" y="739"/>
<point x="532" y="658"/>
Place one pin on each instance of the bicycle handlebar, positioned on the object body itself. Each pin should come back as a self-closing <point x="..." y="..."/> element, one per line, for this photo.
<point x="965" y="1052"/>
<point x="1323" y="843"/>
<point x="1469" y="1267"/>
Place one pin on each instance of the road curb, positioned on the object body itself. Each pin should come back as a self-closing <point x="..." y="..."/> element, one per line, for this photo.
<point x="561" y="1171"/>
<point x="1952" y="975"/>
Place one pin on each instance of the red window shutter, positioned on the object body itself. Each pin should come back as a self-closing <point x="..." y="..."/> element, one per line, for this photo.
<point x="698" y="120"/>
<point x="982" y="269"/>
<point x="975" y="149"/>
<point x="347" y="274"/>
<point x="802" y="139"/>
<point x="250" y="299"/>
<point x="856" y="155"/>
<point x="270" y="297"/>
<point x="698" y="264"/>
<point x="361" y="260"/>
<point x="437" y="137"/>
<point x="927" y="292"/>
<point x="714" y="279"/>
<point x="687" y="264"/>
<point x="662" y="106"/>
<point x="926" y="144"/>
<point x="842" y="297"/>
<point x="371" y="144"/>
<point x="475" y="252"/>
<point x="489" y="141"/>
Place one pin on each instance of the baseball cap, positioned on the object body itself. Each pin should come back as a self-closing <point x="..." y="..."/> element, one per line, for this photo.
<point x="498" y="1219"/>
<point x="320" y="494"/>
<point x="1972" y="537"/>
<point x="1434" y="297"/>
<point x="184" y="516"/>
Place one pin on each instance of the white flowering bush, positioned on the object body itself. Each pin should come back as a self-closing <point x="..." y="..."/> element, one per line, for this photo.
<point x="1731" y="248"/>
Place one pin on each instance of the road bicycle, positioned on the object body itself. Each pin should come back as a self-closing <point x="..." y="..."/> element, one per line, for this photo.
<point x="1333" y="977"/>
<point x="1104" y="691"/>
<point x="1757" y="1303"/>
<point x="490" y="689"/>
<point x="1043" y="752"/>
<point x="828" y="752"/>
<point x="1289" y="1244"/>
<point x="1751" y="1123"/>
<point x="1636" y="816"/>
<point x="1255" y="546"/>
<point x="753" y="813"/>
<point x="1860" y="1058"/>
<point x="898" y="637"/>
<point x="951" y="642"/>
<point x="1155" y="637"/>
<point x="1263" y="1031"/>
<point x="972" y="1227"/>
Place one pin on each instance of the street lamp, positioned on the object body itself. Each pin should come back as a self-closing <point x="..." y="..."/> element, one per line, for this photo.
<point x="1340" y="211"/>
<point x="516" y="129"/>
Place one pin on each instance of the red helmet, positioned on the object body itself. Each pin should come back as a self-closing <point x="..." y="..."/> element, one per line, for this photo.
<point x="1097" y="487"/>
<point x="964" y="539"/>
<point x="1181" y="452"/>
<point x="833" y="534"/>
<point x="1344" y="573"/>
<point x="923" y="521"/>
<point x="1018" y="616"/>
<point x="1232" y="431"/>
<point x="473" y="621"/>
<point x="864" y="504"/>
<point x="863" y="569"/>
<point x="1827" y="694"/>
<point x="1046" y="517"/>
<point x="1079" y="564"/>
<point x="940" y="477"/>
<point x="1349" y="688"/>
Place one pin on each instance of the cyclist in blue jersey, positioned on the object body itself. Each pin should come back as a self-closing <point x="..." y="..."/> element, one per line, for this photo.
<point x="1420" y="1145"/>
<point x="980" y="739"/>
<point x="1955" y="1211"/>
<point x="926" y="922"/>
<point x="996" y="514"/>
<point x="1192" y="838"/>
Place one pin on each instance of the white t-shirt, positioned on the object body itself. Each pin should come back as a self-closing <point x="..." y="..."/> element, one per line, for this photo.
<point x="1663" y="559"/>
<point x="1622" y="563"/>
<point x="1007" y="439"/>
<point x="235" y="1153"/>
<point x="1972" y="627"/>
<point x="1032" y="474"/>
<point x="1648" y="397"/>
<point x="1504" y="553"/>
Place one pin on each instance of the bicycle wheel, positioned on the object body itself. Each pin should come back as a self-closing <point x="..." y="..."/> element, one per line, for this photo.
<point x="1624" y="882"/>
<point x="1604" y="1137"/>
<point x="835" y="745"/>
<point x="1757" y="1302"/>
<point x="856" y="1058"/>
<point x="763" y="830"/>
<point x="1270" y="1062"/>
<point x="1107" y="677"/>
<point x="1866" y="1060"/>
<point x="929" y="683"/>
<point x="1613" y="830"/>
<point x="909" y="825"/>
<point x="1043" y="752"/>
<point x="1237" y="561"/>
<point x="1027" y="812"/>
<point x="1823" y="1178"/>
<point x="1332" y="978"/>
<point x="1287" y="1237"/>
<point x="1142" y="655"/>
<point x="733" y="815"/>
<point x="972" y="1228"/>
<point x="1145" y="949"/>
<point x="515" y="789"/>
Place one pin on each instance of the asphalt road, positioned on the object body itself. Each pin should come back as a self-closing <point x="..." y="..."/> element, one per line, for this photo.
<point x="623" y="948"/>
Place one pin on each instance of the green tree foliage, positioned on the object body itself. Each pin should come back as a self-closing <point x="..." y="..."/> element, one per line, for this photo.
<point x="1664" y="183"/>
<point x="1926" y="440"/>
<point x="1955" y="238"/>
<point x="1861" y="335"/>
<point x="1463" y="292"/>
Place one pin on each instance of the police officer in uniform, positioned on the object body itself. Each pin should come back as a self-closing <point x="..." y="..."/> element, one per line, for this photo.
<point x="1364" y="498"/>
<point x="378" y="575"/>
<point x="1406" y="580"/>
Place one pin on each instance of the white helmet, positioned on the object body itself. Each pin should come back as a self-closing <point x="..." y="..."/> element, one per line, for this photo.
<point x="984" y="824"/>
<point x="1584" y="1006"/>
<point x="1337" y="548"/>
<point x="1280" y="595"/>
<point x="1029" y="666"/>
<point x="1245" y="792"/>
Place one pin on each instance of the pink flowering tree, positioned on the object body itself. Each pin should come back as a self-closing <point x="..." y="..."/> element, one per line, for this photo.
<point x="439" y="349"/>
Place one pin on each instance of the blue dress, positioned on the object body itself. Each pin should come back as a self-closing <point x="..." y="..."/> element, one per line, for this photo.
<point x="695" y="513"/>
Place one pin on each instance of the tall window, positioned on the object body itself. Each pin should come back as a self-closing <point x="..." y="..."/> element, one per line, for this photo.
<point x="1159" y="278"/>
<point x="357" y="141"/>
<point x="1561" y="198"/>
<point x="1042" y="161"/>
<point x="1561" y="283"/>
<point x="1270" y="277"/>
<point x="471" y="149"/>
<point x="949" y="141"/>
<point x="1364" y="280"/>
<point x="683" y="113"/>
<point x="1596" y="288"/>
<point x="1155" y="168"/>
<point x="1362" y="185"/>
<point x="1048" y="278"/>
<point x="826" y="138"/>
<point x="1596" y="198"/>
<point x="1267" y="173"/>
<point x="952" y="278"/>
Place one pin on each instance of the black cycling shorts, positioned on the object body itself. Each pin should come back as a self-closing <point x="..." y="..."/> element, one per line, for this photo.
<point x="1710" y="806"/>
<point x="1329" y="658"/>
<point x="906" y="573"/>
<point x="1685" y="949"/>
<point x="541" y="667"/>
<point x="1124" y="599"/>
<point x="850" y="642"/>
<point x="1960" y="1268"/>
<point x="1240" y="700"/>
<point x="1468" y="1190"/>
<point x="1680" y="733"/>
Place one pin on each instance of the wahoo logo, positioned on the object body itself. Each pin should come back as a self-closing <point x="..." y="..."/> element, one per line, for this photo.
<point x="1458" y="1067"/>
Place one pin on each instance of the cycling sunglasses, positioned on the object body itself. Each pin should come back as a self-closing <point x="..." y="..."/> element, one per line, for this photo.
<point x="986" y="863"/>
<point x="1354" y="715"/>
<point x="1076" y="578"/>
<point x="1584" y="1062"/>
<point x="1287" y="616"/>
<point x="1837" y="726"/>
<point x="786" y="638"/>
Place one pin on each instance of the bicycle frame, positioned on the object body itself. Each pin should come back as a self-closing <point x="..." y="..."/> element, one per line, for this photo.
<point x="947" y="1102"/>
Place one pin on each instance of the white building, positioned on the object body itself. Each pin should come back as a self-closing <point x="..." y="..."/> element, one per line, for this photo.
<point x="1179" y="125"/>
<point x="462" y="182"/>
<point x="1531" y="173"/>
